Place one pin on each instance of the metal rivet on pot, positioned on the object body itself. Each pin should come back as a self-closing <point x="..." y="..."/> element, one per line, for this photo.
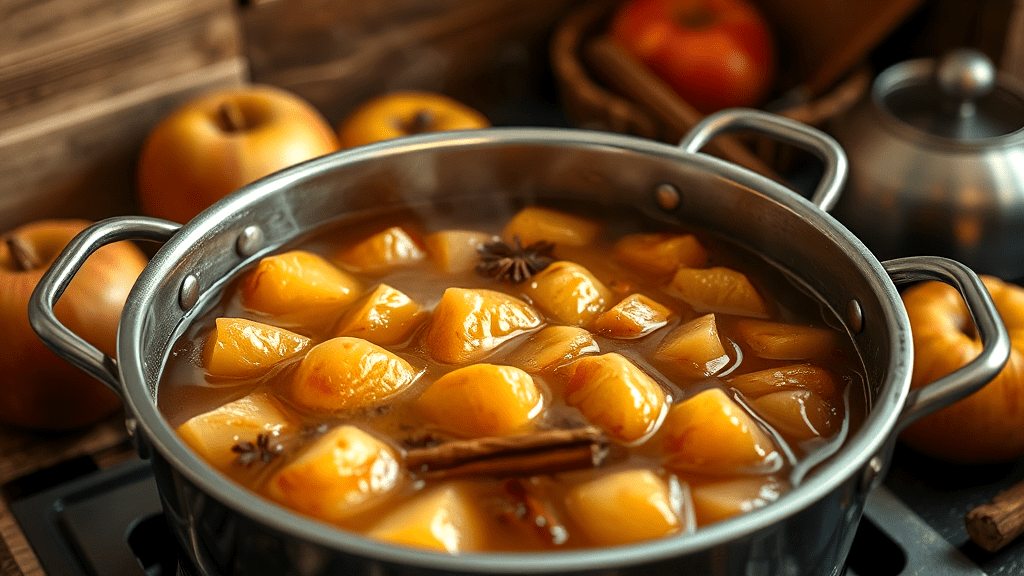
<point x="188" y="296"/>
<point x="249" y="241"/>
<point x="667" y="196"/>
<point x="872" y="474"/>
<point x="855" y="316"/>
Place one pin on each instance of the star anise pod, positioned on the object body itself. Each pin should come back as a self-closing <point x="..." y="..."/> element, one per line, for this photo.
<point x="260" y="451"/>
<point x="512" y="261"/>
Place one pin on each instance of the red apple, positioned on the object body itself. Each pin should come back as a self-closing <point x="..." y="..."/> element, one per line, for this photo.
<point x="38" y="389"/>
<point x="219" y="142"/>
<point x="398" y="114"/>
<point x="715" y="53"/>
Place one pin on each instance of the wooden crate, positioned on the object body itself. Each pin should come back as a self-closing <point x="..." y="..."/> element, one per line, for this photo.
<point x="81" y="84"/>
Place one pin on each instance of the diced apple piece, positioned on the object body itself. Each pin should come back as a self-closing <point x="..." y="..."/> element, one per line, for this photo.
<point x="467" y="324"/>
<point x="624" y="507"/>
<point x="241" y="348"/>
<point x="455" y="251"/>
<point x="614" y="394"/>
<point x="298" y="286"/>
<point x="718" y="289"/>
<point x="481" y="400"/>
<point x="660" y="252"/>
<point x="568" y="293"/>
<point x="794" y="377"/>
<point x="721" y="500"/>
<point x="385" y="317"/>
<point x="213" y="434"/>
<point x="799" y="414"/>
<point x="534" y="223"/>
<point x="343" y="472"/>
<point x="694" y="349"/>
<point x="710" y="432"/>
<point x="444" y="518"/>
<point x="552" y="347"/>
<point x="381" y="252"/>
<point x="634" y="316"/>
<point x="783" y="341"/>
<point x="346" y="373"/>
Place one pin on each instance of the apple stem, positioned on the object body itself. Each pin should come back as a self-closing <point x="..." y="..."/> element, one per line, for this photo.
<point x="231" y="117"/>
<point x="22" y="254"/>
<point x="420" y="122"/>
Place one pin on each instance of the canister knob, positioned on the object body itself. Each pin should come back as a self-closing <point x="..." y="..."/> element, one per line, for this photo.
<point x="964" y="76"/>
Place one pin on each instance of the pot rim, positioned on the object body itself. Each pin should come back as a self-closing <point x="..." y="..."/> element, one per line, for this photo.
<point x="152" y="431"/>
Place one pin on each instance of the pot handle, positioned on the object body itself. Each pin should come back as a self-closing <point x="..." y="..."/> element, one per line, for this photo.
<point x="51" y="286"/>
<point x="790" y="131"/>
<point x="994" y="337"/>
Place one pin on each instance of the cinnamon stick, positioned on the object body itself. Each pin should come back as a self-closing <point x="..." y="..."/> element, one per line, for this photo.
<point x="998" y="522"/>
<point x="542" y="452"/>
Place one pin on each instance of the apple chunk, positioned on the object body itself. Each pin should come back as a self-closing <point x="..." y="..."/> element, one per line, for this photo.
<point x="721" y="500"/>
<point x="213" y="434"/>
<point x="455" y="251"/>
<point x="792" y="377"/>
<point x="298" y="286"/>
<point x="784" y="341"/>
<point x="711" y="433"/>
<point x="552" y="347"/>
<point x="718" y="289"/>
<point x="467" y="324"/>
<point x="623" y="507"/>
<point x="488" y="400"/>
<point x="799" y="414"/>
<point x="382" y="251"/>
<point x="343" y="472"/>
<point x="634" y="316"/>
<point x="660" y="252"/>
<point x="346" y="373"/>
<point x="568" y="293"/>
<point x="536" y="223"/>
<point x="385" y="317"/>
<point x="694" y="349"/>
<point x="444" y="518"/>
<point x="241" y="348"/>
<point x="616" y="395"/>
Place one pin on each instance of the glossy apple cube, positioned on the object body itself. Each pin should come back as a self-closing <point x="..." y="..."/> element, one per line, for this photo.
<point x="660" y="253"/>
<point x="552" y="347"/>
<point x="481" y="400"/>
<point x="623" y="507"/>
<point x="717" y="501"/>
<point x="793" y="377"/>
<point x="298" y="286"/>
<point x="798" y="414"/>
<point x="568" y="294"/>
<point x="634" y="316"/>
<point x="213" y="434"/>
<point x="340" y="474"/>
<point x="711" y="433"/>
<point x="241" y="348"/>
<point x="616" y="395"/>
<point x="693" y="350"/>
<point x="381" y="252"/>
<point x="468" y="323"/>
<point x="445" y="518"/>
<point x="535" y="223"/>
<point x="784" y="341"/>
<point x="346" y="373"/>
<point x="718" y="290"/>
<point x="455" y="251"/>
<point x="385" y="317"/>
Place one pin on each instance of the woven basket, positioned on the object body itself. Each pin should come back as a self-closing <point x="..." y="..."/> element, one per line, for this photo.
<point x="644" y="106"/>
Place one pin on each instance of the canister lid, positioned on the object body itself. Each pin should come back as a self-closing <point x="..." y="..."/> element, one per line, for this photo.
<point x="959" y="96"/>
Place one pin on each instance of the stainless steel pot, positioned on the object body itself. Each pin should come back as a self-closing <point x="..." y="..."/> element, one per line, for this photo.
<point x="228" y="530"/>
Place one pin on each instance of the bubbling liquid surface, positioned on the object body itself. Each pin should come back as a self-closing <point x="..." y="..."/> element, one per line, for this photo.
<point x="689" y="467"/>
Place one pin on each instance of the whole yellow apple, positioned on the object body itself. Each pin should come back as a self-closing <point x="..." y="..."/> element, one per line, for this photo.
<point x="38" y="389"/>
<point x="221" y="141"/>
<point x="404" y="113"/>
